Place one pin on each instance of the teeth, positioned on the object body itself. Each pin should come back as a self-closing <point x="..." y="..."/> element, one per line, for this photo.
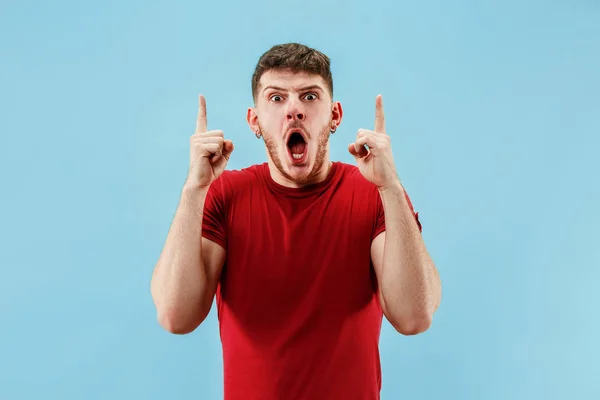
<point x="298" y="156"/>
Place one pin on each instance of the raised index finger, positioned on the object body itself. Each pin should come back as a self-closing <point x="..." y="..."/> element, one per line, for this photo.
<point x="379" y="118"/>
<point x="201" y="121"/>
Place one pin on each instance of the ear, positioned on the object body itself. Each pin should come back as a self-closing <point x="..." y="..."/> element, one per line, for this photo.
<point x="252" y="119"/>
<point x="336" y="113"/>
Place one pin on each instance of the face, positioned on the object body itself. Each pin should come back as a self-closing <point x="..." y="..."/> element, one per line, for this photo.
<point x="295" y="114"/>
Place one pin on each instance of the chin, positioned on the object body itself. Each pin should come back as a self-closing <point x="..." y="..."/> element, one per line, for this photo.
<point x="299" y="171"/>
<point x="297" y="159"/>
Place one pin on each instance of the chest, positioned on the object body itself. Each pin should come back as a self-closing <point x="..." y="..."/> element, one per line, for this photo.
<point x="298" y="250"/>
<point x="277" y="235"/>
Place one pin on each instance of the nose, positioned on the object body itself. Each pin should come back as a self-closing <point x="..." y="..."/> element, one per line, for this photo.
<point x="295" y="112"/>
<point x="298" y="116"/>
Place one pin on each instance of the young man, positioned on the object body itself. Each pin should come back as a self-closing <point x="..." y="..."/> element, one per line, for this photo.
<point x="305" y="255"/>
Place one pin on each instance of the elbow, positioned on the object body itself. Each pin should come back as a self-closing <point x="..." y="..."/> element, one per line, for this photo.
<point x="414" y="325"/>
<point x="177" y="324"/>
<point x="180" y="319"/>
<point x="177" y="318"/>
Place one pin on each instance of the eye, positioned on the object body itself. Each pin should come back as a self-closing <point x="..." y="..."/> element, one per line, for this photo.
<point x="311" y="94"/>
<point x="276" y="98"/>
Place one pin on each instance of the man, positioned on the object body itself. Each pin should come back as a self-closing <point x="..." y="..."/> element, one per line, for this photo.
<point x="305" y="255"/>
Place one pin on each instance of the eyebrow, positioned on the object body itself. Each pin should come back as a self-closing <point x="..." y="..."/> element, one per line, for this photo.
<point x="302" y="89"/>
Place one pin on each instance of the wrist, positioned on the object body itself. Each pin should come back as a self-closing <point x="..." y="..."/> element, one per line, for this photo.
<point x="193" y="190"/>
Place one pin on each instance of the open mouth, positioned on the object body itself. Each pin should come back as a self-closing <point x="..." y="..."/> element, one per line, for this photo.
<point x="297" y="147"/>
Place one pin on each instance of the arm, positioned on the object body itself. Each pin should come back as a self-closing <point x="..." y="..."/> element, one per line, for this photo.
<point x="409" y="285"/>
<point x="187" y="272"/>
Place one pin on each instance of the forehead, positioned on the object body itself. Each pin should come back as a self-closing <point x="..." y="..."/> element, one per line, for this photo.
<point x="290" y="80"/>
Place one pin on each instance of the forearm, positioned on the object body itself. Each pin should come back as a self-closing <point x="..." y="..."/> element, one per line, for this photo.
<point x="410" y="285"/>
<point x="179" y="281"/>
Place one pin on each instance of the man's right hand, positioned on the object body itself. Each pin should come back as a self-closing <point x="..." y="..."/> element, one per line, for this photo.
<point x="209" y="152"/>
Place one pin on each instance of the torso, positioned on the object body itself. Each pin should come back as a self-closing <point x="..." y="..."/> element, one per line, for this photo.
<point x="297" y="304"/>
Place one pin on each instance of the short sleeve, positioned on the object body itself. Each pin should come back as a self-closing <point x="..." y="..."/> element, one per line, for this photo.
<point x="213" y="219"/>
<point x="416" y="214"/>
<point x="380" y="222"/>
<point x="380" y="219"/>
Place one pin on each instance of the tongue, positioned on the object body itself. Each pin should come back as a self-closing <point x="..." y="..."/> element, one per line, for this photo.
<point x="298" y="148"/>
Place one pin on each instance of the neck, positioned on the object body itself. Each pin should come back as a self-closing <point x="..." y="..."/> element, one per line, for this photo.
<point x="316" y="176"/>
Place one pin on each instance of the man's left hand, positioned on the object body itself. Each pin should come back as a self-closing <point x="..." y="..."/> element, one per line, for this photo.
<point x="375" y="163"/>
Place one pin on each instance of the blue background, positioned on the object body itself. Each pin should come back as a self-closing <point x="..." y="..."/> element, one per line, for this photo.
<point x="493" y="108"/>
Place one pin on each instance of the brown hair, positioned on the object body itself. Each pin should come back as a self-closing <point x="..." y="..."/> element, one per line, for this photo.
<point x="295" y="57"/>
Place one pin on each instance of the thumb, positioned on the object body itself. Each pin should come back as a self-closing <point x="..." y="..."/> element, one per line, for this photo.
<point x="357" y="151"/>
<point x="227" y="148"/>
<point x="352" y="150"/>
<point x="221" y="162"/>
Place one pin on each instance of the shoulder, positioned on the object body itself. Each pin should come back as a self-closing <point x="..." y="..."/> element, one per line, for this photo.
<point x="353" y="185"/>
<point x="243" y="175"/>
<point x="351" y="175"/>
<point x="238" y="179"/>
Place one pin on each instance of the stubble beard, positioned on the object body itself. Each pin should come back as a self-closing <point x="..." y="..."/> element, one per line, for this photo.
<point x="272" y="149"/>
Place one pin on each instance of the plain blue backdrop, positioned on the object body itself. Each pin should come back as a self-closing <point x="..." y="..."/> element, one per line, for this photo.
<point x="494" y="112"/>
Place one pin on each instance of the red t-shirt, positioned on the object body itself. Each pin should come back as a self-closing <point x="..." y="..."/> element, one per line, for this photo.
<point x="297" y="302"/>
